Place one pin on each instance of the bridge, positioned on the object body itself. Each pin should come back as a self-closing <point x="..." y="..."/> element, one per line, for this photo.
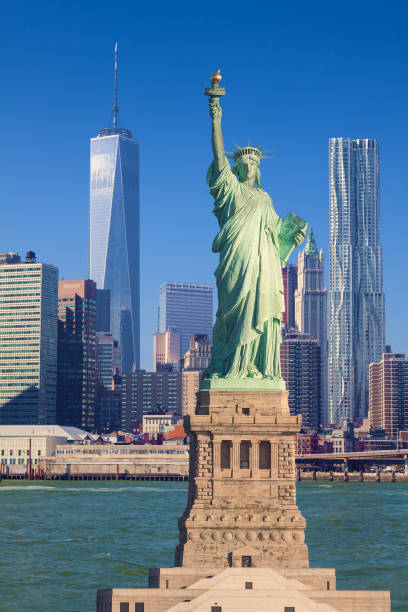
<point x="356" y="460"/>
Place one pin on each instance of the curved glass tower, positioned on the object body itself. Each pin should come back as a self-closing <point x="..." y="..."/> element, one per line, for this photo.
<point x="356" y="298"/>
<point x="114" y="231"/>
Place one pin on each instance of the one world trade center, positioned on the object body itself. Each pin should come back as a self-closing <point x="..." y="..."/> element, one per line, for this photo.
<point x="114" y="231"/>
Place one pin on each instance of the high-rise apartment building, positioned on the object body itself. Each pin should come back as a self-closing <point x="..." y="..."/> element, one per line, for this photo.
<point x="311" y="308"/>
<point x="290" y="279"/>
<point x="76" y="374"/>
<point x="356" y="298"/>
<point x="166" y="349"/>
<point x="28" y="340"/>
<point x="198" y="356"/>
<point x="389" y="394"/>
<point x="143" y="392"/>
<point x="300" y="363"/>
<point x="114" y="232"/>
<point x="188" y="308"/>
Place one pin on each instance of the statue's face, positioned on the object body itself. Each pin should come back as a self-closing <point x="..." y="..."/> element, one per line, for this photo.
<point x="247" y="167"/>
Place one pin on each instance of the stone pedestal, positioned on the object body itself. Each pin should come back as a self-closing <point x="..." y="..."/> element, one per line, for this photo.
<point x="241" y="509"/>
<point x="242" y="535"/>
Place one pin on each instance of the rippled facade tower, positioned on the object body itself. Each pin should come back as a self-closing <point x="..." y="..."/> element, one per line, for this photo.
<point x="356" y="298"/>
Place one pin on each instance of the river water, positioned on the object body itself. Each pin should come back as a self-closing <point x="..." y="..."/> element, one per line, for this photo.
<point x="61" y="541"/>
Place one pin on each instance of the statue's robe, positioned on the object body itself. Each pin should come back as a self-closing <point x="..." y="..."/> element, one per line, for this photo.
<point x="247" y="331"/>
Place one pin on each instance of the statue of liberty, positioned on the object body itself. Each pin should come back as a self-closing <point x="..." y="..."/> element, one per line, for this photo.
<point x="254" y="243"/>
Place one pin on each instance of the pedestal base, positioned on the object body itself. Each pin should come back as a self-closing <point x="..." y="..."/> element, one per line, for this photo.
<point x="248" y="590"/>
<point x="241" y="509"/>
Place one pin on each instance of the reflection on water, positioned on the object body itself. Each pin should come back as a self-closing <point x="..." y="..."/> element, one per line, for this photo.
<point x="61" y="542"/>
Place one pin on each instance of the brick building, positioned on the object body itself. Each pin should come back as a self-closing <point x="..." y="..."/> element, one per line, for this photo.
<point x="388" y="394"/>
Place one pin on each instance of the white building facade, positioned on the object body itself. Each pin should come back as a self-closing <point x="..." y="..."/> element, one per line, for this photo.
<point x="356" y="298"/>
<point x="28" y="340"/>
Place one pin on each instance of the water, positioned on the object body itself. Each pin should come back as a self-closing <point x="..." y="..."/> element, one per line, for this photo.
<point x="61" y="541"/>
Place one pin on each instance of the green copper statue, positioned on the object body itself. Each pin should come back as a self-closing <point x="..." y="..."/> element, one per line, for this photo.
<point x="254" y="243"/>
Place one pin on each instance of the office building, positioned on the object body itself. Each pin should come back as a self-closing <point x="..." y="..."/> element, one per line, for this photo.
<point x="114" y="231"/>
<point x="198" y="356"/>
<point x="188" y="308"/>
<point x="300" y="363"/>
<point x="76" y="373"/>
<point x="356" y="298"/>
<point x="389" y="394"/>
<point x="166" y="350"/>
<point x="28" y="340"/>
<point x="103" y="310"/>
<point x="290" y="279"/>
<point x="144" y="392"/>
<point x="311" y="308"/>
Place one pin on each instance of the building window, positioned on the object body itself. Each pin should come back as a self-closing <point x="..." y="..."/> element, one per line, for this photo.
<point x="249" y="585"/>
<point x="139" y="606"/>
<point x="244" y="454"/>
<point x="124" y="606"/>
<point x="289" y="609"/>
<point x="226" y="446"/>
<point x="265" y="455"/>
<point x="246" y="561"/>
<point x="216" y="609"/>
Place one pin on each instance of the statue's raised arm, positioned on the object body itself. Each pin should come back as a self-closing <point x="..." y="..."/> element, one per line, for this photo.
<point x="214" y="94"/>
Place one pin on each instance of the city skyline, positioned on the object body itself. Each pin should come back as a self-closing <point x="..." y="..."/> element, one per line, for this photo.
<point x="32" y="217"/>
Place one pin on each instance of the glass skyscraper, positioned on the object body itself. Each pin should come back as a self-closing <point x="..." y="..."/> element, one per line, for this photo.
<point x="114" y="234"/>
<point x="356" y="298"/>
<point x="188" y="308"/>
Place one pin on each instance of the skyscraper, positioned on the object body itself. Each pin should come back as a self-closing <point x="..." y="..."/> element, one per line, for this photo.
<point x="114" y="230"/>
<point x="28" y="340"/>
<point x="389" y="394"/>
<point x="300" y="362"/>
<point x="289" y="277"/>
<point x="356" y="298"/>
<point x="311" y="308"/>
<point x="188" y="308"/>
<point x="76" y="374"/>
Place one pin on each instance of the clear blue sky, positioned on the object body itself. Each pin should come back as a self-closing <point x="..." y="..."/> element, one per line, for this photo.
<point x="296" y="73"/>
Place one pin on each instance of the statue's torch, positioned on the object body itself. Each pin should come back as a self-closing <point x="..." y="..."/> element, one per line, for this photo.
<point x="214" y="91"/>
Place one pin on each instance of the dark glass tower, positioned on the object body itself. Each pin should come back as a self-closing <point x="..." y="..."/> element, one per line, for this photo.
<point x="114" y="231"/>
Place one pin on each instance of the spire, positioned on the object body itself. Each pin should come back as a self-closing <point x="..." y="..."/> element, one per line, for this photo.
<point x="115" y="107"/>
<point x="115" y="130"/>
<point x="311" y="246"/>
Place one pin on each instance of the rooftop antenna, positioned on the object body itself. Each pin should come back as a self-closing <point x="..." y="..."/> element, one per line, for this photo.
<point x="115" y="107"/>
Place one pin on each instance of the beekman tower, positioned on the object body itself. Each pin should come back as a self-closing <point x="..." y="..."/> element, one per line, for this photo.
<point x="114" y="230"/>
<point x="356" y="298"/>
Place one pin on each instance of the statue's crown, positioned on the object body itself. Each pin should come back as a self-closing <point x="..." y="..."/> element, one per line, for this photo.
<point x="248" y="150"/>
